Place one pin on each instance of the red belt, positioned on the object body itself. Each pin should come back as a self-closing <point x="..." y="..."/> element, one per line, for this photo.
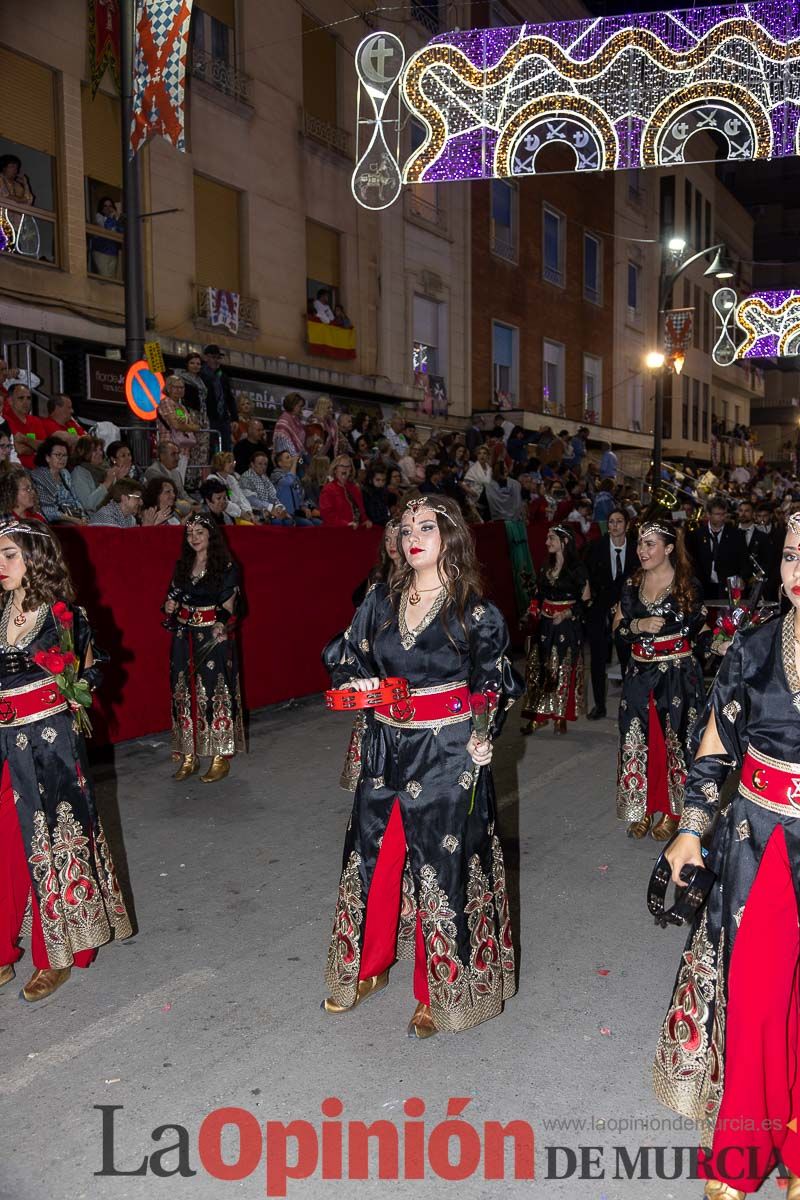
<point x="771" y="783"/>
<point x="552" y="608"/>
<point x="426" y="707"/>
<point x="19" y="706"/>
<point x="197" y="616"/>
<point x="661" y="648"/>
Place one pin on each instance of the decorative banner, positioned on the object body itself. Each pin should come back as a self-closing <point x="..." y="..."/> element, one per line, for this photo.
<point x="143" y="390"/>
<point x="763" y="325"/>
<point x="618" y="92"/>
<point x="154" y="356"/>
<point x="159" y="73"/>
<point x="331" y="341"/>
<point x="376" y="180"/>
<point x="678" y="332"/>
<point x="103" y="41"/>
<point x="223" y="308"/>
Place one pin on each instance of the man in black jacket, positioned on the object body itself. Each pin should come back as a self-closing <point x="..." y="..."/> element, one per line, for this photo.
<point x="719" y="551"/>
<point x="758" y="544"/>
<point x="609" y="561"/>
<point x="220" y="402"/>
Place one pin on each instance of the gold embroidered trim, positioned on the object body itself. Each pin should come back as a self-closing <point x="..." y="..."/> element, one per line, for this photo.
<point x="409" y="636"/>
<point x="768" y="761"/>
<point x="785" y="810"/>
<point x="695" y="820"/>
<point x="437" y="724"/>
<point x="658" y="658"/>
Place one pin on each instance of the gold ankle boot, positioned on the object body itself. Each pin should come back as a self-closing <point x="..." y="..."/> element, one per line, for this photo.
<point x="665" y="828"/>
<point x="188" y="767"/>
<point x="793" y="1190"/>
<point x="638" y="829"/>
<point x="218" y="769"/>
<point x="43" y="983"/>
<point x="366" y="988"/>
<point x="714" y="1190"/>
<point x="421" y="1024"/>
<point x="6" y="974"/>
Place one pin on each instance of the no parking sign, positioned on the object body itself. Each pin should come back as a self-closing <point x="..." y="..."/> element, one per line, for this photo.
<point x="143" y="389"/>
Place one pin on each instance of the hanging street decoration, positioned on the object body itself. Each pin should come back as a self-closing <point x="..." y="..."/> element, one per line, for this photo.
<point x="159" y="72"/>
<point x="619" y="92"/>
<point x="763" y="325"/>
<point x="104" y="48"/>
<point x="678" y="335"/>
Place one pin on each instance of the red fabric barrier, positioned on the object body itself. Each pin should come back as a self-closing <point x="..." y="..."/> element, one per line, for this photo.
<point x="297" y="585"/>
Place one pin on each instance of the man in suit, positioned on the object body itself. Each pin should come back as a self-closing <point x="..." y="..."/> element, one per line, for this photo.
<point x="773" y="535"/>
<point x="719" y="550"/>
<point x="610" y="560"/>
<point x="758" y="544"/>
<point x="220" y="401"/>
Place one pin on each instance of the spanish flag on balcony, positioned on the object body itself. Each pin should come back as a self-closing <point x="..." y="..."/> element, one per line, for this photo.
<point x="330" y="341"/>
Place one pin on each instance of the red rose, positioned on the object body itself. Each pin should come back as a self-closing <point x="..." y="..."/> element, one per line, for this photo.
<point x="69" y="658"/>
<point x="40" y="658"/>
<point x="55" y="662"/>
<point x="62" y="614"/>
<point x="729" y="625"/>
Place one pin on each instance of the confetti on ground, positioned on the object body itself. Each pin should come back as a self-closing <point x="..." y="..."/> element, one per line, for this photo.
<point x="603" y="971"/>
<point x="166" y="1007"/>
<point x="604" y="1029"/>
<point x="116" y="1079"/>
<point x="603" y="867"/>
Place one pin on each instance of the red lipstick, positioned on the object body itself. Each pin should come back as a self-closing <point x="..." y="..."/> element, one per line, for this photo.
<point x="415" y="550"/>
<point x="796" y="591"/>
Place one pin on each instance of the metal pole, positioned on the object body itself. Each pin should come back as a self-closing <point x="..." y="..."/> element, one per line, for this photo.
<point x="132" y="244"/>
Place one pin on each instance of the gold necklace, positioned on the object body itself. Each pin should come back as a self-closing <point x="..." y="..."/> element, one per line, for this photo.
<point x="415" y="593"/>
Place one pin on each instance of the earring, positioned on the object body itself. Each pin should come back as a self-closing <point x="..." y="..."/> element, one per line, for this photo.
<point x="455" y="567"/>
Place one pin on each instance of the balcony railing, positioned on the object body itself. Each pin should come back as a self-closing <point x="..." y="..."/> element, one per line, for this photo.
<point x="249" y="327"/>
<point x="328" y="135"/>
<point x="28" y="232"/>
<point x="104" y="259"/>
<point x="503" y="243"/>
<point x="221" y="75"/>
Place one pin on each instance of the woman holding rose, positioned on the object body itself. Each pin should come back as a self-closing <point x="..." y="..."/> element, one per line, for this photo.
<point x="57" y="879"/>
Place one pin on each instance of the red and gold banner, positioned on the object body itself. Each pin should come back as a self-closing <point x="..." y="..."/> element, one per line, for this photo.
<point x="159" y="71"/>
<point x="331" y="341"/>
<point x="103" y="41"/>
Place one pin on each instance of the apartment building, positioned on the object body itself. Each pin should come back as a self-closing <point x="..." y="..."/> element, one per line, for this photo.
<point x="260" y="205"/>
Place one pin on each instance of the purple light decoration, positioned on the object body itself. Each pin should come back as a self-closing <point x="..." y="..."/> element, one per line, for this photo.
<point x="764" y="347"/>
<point x="628" y="90"/>
<point x="775" y="299"/>
<point x="768" y="344"/>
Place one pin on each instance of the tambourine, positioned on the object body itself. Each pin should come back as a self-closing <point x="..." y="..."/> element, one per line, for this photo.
<point x="347" y="700"/>
<point x="688" y="900"/>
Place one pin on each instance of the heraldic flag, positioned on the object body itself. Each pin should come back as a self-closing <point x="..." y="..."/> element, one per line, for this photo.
<point x="159" y="71"/>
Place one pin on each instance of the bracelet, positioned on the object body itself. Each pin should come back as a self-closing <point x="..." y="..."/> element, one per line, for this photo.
<point x="635" y="622"/>
<point x="693" y="832"/>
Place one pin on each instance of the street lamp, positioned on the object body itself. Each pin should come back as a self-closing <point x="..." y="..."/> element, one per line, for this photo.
<point x="720" y="268"/>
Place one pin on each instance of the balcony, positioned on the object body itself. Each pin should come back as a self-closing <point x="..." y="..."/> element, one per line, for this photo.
<point x="249" y="327"/>
<point x="325" y="134"/>
<point x="220" y="75"/>
<point x="28" y="232"/>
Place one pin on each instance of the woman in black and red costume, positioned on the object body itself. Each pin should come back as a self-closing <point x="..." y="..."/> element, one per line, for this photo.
<point x="729" y="1052"/>
<point x="202" y="606"/>
<point x="661" y="614"/>
<point x="423" y="874"/>
<point x="554" y="675"/>
<point x="57" y="878"/>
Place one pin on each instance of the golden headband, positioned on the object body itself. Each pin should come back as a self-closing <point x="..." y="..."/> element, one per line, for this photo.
<point x="655" y="527"/>
<point x="9" y="527"/>
<point x="793" y="523"/>
<point x="424" y="502"/>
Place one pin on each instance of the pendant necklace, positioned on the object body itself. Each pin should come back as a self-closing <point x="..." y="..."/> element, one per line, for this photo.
<point x="415" y="593"/>
<point x="20" y="620"/>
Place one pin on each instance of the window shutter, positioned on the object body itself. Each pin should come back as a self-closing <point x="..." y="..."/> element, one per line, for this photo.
<point x="27" y="103"/>
<point x="216" y="232"/>
<point x="102" y="152"/>
<point x="322" y="254"/>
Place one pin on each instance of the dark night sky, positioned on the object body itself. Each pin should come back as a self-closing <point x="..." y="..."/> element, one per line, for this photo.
<point x="604" y="8"/>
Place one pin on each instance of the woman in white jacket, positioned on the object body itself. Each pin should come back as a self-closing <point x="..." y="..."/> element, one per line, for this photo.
<point x="222" y="469"/>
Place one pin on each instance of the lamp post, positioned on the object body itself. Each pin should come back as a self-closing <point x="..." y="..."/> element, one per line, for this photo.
<point x="132" y="243"/>
<point x="720" y="268"/>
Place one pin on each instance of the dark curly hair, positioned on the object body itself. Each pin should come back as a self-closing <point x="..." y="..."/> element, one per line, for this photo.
<point x="458" y="563"/>
<point x="46" y="448"/>
<point x="684" y="587"/>
<point x="152" y="491"/>
<point x="217" y="561"/>
<point x="47" y="578"/>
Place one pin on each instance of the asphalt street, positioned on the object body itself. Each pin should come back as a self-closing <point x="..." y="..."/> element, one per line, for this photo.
<point x="215" y="1002"/>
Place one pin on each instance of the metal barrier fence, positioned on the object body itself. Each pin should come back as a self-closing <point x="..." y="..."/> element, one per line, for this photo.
<point x="143" y="443"/>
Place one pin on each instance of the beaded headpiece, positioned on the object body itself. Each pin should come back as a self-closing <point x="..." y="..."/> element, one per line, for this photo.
<point x="200" y="519"/>
<point x="562" y="532"/>
<point x="10" y="525"/>
<point x="656" y="527"/>
<point x="424" y="502"/>
<point x="793" y="523"/>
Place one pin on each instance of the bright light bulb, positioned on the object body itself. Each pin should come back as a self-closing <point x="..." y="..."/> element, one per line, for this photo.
<point x="654" y="360"/>
<point x="676" y="244"/>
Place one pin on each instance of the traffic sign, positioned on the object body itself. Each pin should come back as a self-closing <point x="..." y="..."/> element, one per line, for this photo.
<point x="143" y="390"/>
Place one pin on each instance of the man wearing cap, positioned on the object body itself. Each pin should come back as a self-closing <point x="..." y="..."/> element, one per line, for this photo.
<point x="220" y="402"/>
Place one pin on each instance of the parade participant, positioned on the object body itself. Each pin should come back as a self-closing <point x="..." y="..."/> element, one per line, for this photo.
<point x="554" y="672"/>
<point x="423" y="873"/>
<point x="609" y="562"/>
<point x="661" y="612"/>
<point x="203" y="603"/>
<point x="57" y="878"/>
<point x="727" y="1057"/>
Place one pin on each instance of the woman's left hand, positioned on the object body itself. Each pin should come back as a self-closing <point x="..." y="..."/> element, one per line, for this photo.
<point x="218" y="631"/>
<point x="480" y="751"/>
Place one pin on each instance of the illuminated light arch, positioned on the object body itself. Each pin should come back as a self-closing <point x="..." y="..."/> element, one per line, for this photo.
<point x="577" y="117"/>
<point x="713" y="107"/>
<point x="768" y="321"/>
<point x="640" y="87"/>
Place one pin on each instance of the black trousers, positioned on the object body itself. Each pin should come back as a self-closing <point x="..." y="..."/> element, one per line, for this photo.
<point x="598" y="634"/>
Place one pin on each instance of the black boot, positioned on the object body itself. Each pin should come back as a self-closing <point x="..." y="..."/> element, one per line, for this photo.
<point x="596" y="713"/>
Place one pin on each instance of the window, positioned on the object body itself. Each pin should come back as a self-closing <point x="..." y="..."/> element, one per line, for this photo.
<point x="695" y="410"/>
<point x="708" y="323"/>
<point x="634" y="184"/>
<point x="28" y="116"/>
<point x="553" y="403"/>
<point x="592" y="268"/>
<point x="423" y="197"/>
<point x="698" y="220"/>
<point x="666" y="423"/>
<point x="426" y="12"/>
<point x="697" y="338"/>
<point x="213" y="48"/>
<point x="592" y="389"/>
<point x="634" y="290"/>
<point x="553" y="246"/>
<point x="685" y="408"/>
<point x="687" y="211"/>
<point x="704" y="431"/>
<point x="636" y="416"/>
<point x="667" y="206"/>
<point x="426" y="337"/>
<point x="102" y="165"/>
<point x="322" y="265"/>
<point x="320" y="90"/>
<point x="216" y="235"/>
<point x="708" y="223"/>
<point x="505" y="357"/>
<point x="504" y="232"/>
